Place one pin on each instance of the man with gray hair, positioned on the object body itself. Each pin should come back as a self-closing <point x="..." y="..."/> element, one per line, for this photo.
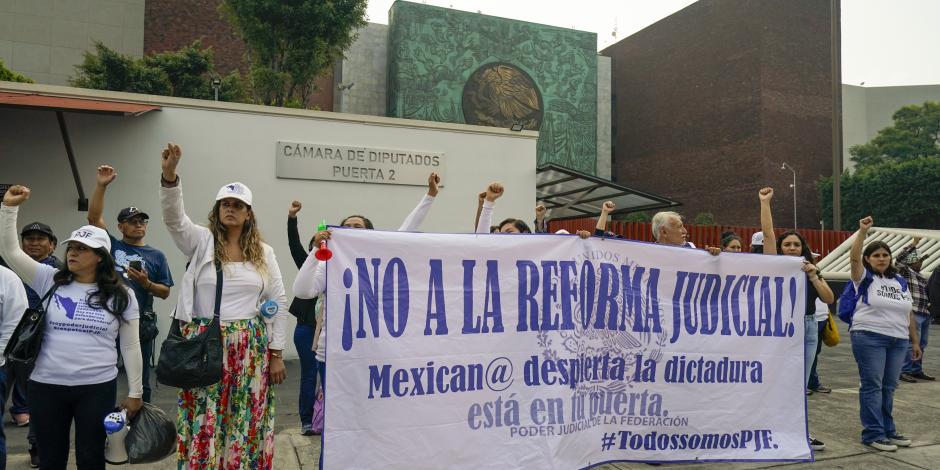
<point x="668" y="230"/>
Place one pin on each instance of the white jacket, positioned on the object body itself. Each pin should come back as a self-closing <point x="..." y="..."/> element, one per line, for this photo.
<point x="197" y="244"/>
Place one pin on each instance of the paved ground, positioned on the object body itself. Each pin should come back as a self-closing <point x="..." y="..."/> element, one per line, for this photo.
<point x="833" y="419"/>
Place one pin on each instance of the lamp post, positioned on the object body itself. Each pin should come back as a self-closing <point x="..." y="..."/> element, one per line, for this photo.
<point x="793" y="185"/>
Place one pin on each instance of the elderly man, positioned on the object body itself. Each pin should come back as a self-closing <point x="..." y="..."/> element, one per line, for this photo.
<point x="668" y="230"/>
<point x="909" y="263"/>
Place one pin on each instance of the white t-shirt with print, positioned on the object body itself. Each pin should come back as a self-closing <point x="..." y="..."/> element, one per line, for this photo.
<point x="887" y="309"/>
<point x="79" y="345"/>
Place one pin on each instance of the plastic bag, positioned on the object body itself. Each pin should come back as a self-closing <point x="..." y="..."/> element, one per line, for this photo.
<point x="318" y="414"/>
<point x="152" y="436"/>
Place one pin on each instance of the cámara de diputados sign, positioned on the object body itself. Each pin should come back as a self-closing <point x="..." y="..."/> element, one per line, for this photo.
<point x="300" y="160"/>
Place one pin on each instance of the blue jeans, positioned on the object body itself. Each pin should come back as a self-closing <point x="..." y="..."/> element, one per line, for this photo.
<point x="923" y="326"/>
<point x="146" y="350"/>
<point x="813" y="383"/>
<point x="879" y="359"/>
<point x="810" y="340"/>
<point x="303" y="341"/>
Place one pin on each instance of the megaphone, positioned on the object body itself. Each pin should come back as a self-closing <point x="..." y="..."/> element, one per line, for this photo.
<point x="115" y="426"/>
<point x="323" y="253"/>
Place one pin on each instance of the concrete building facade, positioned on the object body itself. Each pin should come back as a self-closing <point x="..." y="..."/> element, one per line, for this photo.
<point x="46" y="39"/>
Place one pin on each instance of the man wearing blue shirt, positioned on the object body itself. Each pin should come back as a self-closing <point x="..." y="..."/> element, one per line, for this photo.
<point x="143" y="267"/>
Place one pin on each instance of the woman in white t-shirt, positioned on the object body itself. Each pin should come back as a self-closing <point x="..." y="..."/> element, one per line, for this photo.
<point x="87" y="309"/>
<point x="229" y="424"/>
<point x="881" y="330"/>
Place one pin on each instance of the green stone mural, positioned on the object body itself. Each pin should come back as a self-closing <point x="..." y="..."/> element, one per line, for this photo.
<point x="453" y="66"/>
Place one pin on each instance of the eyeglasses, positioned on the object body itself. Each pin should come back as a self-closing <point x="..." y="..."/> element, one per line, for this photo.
<point x="137" y="221"/>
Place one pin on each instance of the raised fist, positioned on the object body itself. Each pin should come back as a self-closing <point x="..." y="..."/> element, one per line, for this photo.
<point x="766" y="194"/>
<point x="494" y="191"/>
<point x="608" y="206"/>
<point x="170" y="159"/>
<point x="106" y="175"/>
<point x="295" y="207"/>
<point x="865" y="223"/>
<point x="15" y="195"/>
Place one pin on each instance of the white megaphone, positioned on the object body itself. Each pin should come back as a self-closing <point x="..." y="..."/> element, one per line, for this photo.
<point x="115" y="425"/>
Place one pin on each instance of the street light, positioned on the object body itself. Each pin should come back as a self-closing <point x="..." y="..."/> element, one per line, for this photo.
<point x="793" y="185"/>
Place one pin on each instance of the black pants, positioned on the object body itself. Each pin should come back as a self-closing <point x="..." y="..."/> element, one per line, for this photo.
<point x="52" y="410"/>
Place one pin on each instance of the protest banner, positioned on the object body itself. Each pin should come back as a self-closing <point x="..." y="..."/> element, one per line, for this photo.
<point x="467" y="351"/>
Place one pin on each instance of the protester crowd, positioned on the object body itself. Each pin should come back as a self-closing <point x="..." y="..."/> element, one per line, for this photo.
<point x="99" y="312"/>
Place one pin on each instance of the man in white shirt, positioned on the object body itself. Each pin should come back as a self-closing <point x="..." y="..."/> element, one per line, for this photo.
<point x="12" y="305"/>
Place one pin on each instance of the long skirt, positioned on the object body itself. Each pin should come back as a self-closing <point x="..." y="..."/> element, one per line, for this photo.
<point x="230" y="425"/>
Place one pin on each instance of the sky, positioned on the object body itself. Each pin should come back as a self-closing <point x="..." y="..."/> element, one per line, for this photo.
<point x="884" y="42"/>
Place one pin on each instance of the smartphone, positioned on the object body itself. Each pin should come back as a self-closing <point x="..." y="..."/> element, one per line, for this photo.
<point x="136" y="264"/>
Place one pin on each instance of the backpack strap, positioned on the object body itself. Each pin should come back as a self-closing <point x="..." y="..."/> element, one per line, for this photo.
<point x="863" y="286"/>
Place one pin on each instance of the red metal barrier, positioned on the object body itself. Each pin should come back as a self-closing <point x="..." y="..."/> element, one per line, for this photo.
<point x="820" y="241"/>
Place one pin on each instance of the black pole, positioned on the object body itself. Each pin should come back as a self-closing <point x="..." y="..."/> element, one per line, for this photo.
<point x="82" y="200"/>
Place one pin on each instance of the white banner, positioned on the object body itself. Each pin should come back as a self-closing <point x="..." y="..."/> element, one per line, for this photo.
<point x="543" y="351"/>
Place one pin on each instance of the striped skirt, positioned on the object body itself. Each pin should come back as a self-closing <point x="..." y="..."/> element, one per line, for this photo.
<point x="230" y="425"/>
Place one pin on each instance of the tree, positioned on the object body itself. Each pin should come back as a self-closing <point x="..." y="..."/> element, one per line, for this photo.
<point x="8" y="75"/>
<point x="915" y="134"/>
<point x="896" y="193"/>
<point x="704" y="218"/>
<point x="186" y="73"/>
<point x="896" y="173"/>
<point x="290" y="43"/>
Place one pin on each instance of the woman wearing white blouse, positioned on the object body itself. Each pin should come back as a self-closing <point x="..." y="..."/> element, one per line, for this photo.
<point x="229" y="424"/>
<point x="87" y="309"/>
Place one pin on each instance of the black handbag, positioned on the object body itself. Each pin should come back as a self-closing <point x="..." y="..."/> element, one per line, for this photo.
<point x="148" y="327"/>
<point x="23" y="347"/>
<point x="193" y="362"/>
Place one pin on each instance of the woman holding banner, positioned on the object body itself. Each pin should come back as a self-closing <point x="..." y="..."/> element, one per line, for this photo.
<point x="229" y="424"/>
<point x="882" y="323"/>
<point x="791" y="243"/>
<point x="311" y="278"/>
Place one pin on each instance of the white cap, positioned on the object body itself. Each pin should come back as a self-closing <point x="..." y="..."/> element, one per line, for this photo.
<point x="91" y="236"/>
<point x="757" y="238"/>
<point x="235" y="190"/>
<point x="562" y="232"/>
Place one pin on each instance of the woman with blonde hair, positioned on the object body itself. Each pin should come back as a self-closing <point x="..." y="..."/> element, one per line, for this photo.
<point x="229" y="424"/>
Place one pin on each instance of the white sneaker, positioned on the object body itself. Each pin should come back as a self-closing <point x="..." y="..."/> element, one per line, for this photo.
<point x="883" y="445"/>
<point x="899" y="440"/>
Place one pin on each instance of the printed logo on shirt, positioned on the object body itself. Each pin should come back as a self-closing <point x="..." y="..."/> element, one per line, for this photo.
<point x="82" y="317"/>
<point x="890" y="292"/>
<point x="122" y="260"/>
<point x="66" y="304"/>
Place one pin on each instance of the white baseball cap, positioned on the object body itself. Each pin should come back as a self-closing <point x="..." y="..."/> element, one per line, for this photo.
<point x="757" y="238"/>
<point x="91" y="236"/>
<point x="235" y="190"/>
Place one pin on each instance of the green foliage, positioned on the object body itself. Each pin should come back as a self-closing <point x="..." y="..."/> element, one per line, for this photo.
<point x="635" y="217"/>
<point x="901" y="193"/>
<point x="896" y="174"/>
<point x="186" y="73"/>
<point x="704" y="218"/>
<point x="8" y="75"/>
<point x="291" y="43"/>
<point x="915" y="134"/>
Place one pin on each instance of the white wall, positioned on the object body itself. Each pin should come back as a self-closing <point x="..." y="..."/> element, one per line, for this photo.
<point x="223" y="145"/>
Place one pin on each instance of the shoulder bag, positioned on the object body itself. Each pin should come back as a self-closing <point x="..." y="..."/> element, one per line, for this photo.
<point x="23" y="347"/>
<point x="193" y="362"/>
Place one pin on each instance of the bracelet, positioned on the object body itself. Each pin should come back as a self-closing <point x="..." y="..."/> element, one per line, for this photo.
<point x="277" y="354"/>
<point x="169" y="184"/>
